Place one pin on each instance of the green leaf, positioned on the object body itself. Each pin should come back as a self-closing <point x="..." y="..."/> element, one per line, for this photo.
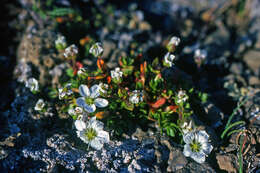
<point x="128" y="106"/>
<point x="128" y="70"/>
<point x="60" y="12"/>
<point x="53" y="93"/>
<point x="155" y="62"/>
<point x="69" y="72"/>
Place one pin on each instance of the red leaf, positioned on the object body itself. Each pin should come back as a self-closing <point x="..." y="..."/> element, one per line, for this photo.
<point x="77" y="67"/>
<point x="109" y="79"/>
<point x="158" y="103"/>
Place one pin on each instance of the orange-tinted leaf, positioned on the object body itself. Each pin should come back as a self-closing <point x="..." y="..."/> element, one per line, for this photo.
<point x="100" y="64"/>
<point x="101" y="115"/>
<point x="100" y="77"/>
<point x="120" y="62"/>
<point x="59" y="19"/>
<point x="158" y="103"/>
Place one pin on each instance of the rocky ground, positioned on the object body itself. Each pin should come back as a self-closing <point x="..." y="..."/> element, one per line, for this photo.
<point x="32" y="142"/>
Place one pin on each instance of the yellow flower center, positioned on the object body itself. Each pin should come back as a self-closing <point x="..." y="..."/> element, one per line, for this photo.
<point x="195" y="146"/>
<point x="90" y="133"/>
<point x="89" y="100"/>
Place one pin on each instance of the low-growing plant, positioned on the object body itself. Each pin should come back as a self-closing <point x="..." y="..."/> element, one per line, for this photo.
<point x="134" y="90"/>
<point x="138" y="91"/>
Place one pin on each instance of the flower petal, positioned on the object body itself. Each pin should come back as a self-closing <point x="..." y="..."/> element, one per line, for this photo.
<point x="94" y="90"/>
<point x="97" y="144"/>
<point x="202" y="136"/>
<point x="207" y="148"/>
<point x="198" y="157"/>
<point x="97" y="125"/>
<point x="103" y="136"/>
<point x="84" y="90"/>
<point x="90" y="108"/>
<point x="99" y="102"/>
<point x="188" y="137"/>
<point x="81" y="101"/>
<point x="80" y="125"/>
<point x="81" y="135"/>
<point x="187" y="150"/>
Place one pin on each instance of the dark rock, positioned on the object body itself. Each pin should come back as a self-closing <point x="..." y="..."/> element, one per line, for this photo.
<point x="227" y="162"/>
<point x="236" y="68"/>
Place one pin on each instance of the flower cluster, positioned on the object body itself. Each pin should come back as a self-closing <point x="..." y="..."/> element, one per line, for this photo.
<point x="71" y="52"/>
<point x="136" y="97"/>
<point x="32" y="84"/>
<point x="65" y="92"/>
<point x="182" y="96"/>
<point x="39" y="105"/>
<point x="60" y="43"/>
<point x="96" y="50"/>
<point x="200" y="56"/>
<point x="169" y="57"/>
<point x="116" y="74"/>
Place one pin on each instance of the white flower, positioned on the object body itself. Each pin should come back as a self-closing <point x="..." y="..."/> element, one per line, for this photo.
<point x="186" y="127"/>
<point x="182" y="96"/>
<point x="103" y="88"/>
<point x="75" y="111"/>
<point x="39" y="105"/>
<point x="96" y="49"/>
<point x="136" y="97"/>
<point x="92" y="133"/>
<point x="60" y="43"/>
<point x="168" y="59"/>
<point x="66" y="91"/>
<point x="89" y="99"/>
<point x="116" y="74"/>
<point x="71" y="51"/>
<point x="200" y="56"/>
<point x="174" y="41"/>
<point x="82" y="71"/>
<point x="197" y="145"/>
<point x="32" y="83"/>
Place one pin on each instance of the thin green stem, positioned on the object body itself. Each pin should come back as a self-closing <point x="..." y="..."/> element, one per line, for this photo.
<point x="229" y="127"/>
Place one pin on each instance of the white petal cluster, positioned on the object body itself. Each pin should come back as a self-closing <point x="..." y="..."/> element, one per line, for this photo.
<point x="66" y="91"/>
<point x="39" y="105"/>
<point x="89" y="100"/>
<point x="82" y="71"/>
<point x="60" y="43"/>
<point x="136" y="97"/>
<point x="197" y="145"/>
<point x="182" y="96"/>
<point x="75" y="111"/>
<point x="168" y="59"/>
<point x="116" y="74"/>
<point x="174" y="41"/>
<point x="96" y="49"/>
<point x="200" y="55"/>
<point x="32" y="84"/>
<point x="92" y="133"/>
<point x="71" y="51"/>
<point x="186" y="127"/>
<point x="103" y="88"/>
